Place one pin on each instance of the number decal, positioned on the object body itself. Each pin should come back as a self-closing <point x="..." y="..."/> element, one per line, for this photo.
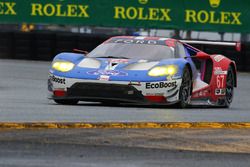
<point x="220" y="81"/>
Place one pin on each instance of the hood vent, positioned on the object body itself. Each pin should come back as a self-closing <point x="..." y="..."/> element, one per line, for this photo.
<point x="114" y="64"/>
<point x="141" y="66"/>
<point x="89" y="63"/>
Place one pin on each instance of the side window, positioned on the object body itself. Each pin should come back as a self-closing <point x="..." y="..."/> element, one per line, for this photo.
<point x="192" y="52"/>
<point x="181" y="52"/>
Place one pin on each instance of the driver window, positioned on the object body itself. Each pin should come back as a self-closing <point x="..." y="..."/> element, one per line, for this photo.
<point x="181" y="50"/>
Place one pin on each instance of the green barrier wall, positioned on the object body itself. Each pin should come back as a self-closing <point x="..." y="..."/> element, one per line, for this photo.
<point x="205" y="15"/>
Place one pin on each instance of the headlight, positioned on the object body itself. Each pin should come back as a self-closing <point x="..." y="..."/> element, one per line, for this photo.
<point x="63" y="66"/>
<point x="163" y="71"/>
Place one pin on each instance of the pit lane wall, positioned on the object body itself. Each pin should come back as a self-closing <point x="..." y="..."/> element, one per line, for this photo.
<point x="45" y="45"/>
<point x="201" y="15"/>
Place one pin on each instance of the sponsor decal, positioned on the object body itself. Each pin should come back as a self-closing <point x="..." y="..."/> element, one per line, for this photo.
<point x="214" y="3"/>
<point x="138" y="41"/>
<point x="108" y="72"/>
<point x="57" y="79"/>
<point x="154" y="94"/>
<point x="206" y="14"/>
<point x="59" y="10"/>
<point x="160" y="85"/>
<point x="135" y="83"/>
<point x="8" y="8"/>
<point x="218" y="71"/>
<point x="202" y="93"/>
<point x="104" y="78"/>
<point x="213" y="16"/>
<point x="143" y="1"/>
<point x="220" y="81"/>
<point x="220" y="91"/>
<point x="218" y="58"/>
<point x="142" y="13"/>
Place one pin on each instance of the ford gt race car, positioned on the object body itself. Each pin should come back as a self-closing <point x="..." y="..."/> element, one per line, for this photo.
<point x="143" y="70"/>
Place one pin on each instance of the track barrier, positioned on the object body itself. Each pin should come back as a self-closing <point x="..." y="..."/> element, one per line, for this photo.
<point x="43" y="45"/>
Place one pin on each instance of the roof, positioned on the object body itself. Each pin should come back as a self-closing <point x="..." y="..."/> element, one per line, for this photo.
<point x="143" y="40"/>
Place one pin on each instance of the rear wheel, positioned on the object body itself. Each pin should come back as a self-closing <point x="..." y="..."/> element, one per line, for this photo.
<point x="185" y="89"/>
<point x="66" y="102"/>
<point x="229" y="88"/>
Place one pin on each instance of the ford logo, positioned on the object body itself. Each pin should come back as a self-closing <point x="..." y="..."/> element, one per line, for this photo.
<point x="108" y="72"/>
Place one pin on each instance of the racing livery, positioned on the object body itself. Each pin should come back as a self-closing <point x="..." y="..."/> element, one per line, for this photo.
<point x="147" y="70"/>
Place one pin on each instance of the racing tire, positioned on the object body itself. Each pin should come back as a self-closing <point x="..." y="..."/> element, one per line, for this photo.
<point x="229" y="88"/>
<point x="67" y="102"/>
<point x="110" y="103"/>
<point x="185" y="89"/>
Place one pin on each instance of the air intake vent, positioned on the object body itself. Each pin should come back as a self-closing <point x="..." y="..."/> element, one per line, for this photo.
<point x="89" y="63"/>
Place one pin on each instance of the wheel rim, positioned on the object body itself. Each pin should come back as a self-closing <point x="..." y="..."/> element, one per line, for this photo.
<point x="229" y="87"/>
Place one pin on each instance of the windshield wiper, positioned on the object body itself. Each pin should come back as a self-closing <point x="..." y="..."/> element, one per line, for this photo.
<point x="114" y="57"/>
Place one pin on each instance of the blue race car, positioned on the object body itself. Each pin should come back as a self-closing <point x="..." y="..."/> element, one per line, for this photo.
<point x="146" y="70"/>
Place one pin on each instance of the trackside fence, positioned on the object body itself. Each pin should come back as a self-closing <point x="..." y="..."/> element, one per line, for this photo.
<point x="45" y="45"/>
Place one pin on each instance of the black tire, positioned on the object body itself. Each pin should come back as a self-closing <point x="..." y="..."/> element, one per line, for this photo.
<point x="110" y="103"/>
<point x="67" y="102"/>
<point x="229" y="88"/>
<point x="185" y="89"/>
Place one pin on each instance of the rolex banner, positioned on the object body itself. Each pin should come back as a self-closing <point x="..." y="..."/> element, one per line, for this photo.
<point x="205" y="15"/>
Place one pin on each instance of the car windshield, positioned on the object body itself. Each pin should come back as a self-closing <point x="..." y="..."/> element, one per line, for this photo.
<point x="132" y="51"/>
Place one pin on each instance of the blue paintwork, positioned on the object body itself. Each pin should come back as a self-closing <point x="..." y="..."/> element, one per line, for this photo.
<point x="72" y="57"/>
<point x="119" y="74"/>
<point x="192" y="65"/>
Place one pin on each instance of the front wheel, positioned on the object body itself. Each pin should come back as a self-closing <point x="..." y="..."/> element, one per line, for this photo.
<point x="66" y="102"/>
<point x="185" y="89"/>
<point x="229" y="88"/>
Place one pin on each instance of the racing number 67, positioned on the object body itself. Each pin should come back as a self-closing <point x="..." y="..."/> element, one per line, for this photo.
<point x="220" y="81"/>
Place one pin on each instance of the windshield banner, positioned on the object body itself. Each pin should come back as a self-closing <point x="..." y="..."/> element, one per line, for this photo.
<point x="205" y="15"/>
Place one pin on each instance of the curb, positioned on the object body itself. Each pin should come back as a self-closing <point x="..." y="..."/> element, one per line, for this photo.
<point x="130" y="125"/>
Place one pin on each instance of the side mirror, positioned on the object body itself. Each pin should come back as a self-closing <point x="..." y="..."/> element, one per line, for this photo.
<point x="238" y="46"/>
<point x="202" y="55"/>
<point x="80" y="51"/>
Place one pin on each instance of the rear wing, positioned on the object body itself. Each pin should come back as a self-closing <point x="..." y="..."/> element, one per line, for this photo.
<point x="237" y="45"/>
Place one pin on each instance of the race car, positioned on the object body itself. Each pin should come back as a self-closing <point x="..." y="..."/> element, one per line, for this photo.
<point x="143" y="70"/>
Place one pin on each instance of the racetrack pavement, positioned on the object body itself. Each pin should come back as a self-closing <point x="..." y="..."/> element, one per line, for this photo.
<point x="23" y="104"/>
<point x="23" y="98"/>
<point x="125" y="147"/>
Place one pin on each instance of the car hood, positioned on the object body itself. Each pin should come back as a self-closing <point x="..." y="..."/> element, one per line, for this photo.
<point x="117" y="64"/>
<point x="119" y="69"/>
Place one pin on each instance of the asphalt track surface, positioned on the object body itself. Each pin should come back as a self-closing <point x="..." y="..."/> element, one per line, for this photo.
<point x="23" y="98"/>
<point x="57" y="155"/>
<point x="23" y="92"/>
<point x="125" y="148"/>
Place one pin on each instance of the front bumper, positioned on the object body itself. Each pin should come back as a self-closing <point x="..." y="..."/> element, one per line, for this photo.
<point x="105" y="91"/>
<point x="121" y="91"/>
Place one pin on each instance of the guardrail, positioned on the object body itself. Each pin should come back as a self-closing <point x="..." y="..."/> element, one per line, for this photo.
<point x="45" y="45"/>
